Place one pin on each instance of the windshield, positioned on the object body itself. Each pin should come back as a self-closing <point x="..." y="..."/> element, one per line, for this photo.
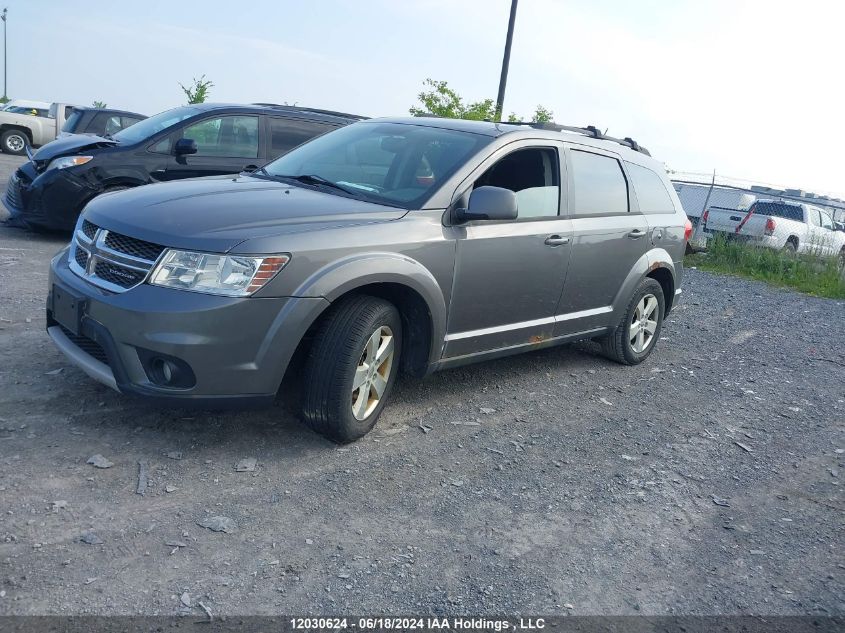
<point x="146" y="128"/>
<point x="72" y="121"/>
<point x="392" y="163"/>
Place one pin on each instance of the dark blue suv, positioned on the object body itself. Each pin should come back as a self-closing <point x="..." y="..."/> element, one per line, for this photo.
<point x="50" y="190"/>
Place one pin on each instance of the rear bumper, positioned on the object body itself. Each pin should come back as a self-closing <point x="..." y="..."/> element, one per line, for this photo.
<point x="235" y="351"/>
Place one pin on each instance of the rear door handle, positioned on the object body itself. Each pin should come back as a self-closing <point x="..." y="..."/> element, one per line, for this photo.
<point x="636" y="234"/>
<point x="556" y="240"/>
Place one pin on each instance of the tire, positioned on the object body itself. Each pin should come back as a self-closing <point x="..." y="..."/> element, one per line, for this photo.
<point x="790" y="249"/>
<point x="14" y="142"/>
<point x="619" y="346"/>
<point x="341" y="353"/>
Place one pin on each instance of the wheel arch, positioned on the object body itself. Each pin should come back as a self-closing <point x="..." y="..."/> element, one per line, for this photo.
<point x="6" y="127"/>
<point x="401" y="280"/>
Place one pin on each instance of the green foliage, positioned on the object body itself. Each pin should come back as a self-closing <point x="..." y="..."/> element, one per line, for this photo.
<point x="99" y="104"/>
<point x="4" y="99"/>
<point x="197" y="92"/>
<point x="820" y="276"/>
<point x="542" y="115"/>
<point x="441" y="100"/>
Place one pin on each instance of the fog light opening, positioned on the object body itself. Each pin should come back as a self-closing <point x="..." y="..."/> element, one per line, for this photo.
<point x="164" y="370"/>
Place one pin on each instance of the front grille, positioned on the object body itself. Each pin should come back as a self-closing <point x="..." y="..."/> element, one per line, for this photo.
<point x="89" y="229"/>
<point x="131" y="246"/>
<point x="118" y="275"/>
<point x="110" y="260"/>
<point x="81" y="257"/>
<point x="13" y="192"/>
<point x="92" y="348"/>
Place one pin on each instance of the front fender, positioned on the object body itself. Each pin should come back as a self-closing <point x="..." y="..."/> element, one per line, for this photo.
<point x="345" y="275"/>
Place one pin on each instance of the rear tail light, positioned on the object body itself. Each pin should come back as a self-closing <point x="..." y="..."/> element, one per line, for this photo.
<point x="705" y="215"/>
<point x="770" y="226"/>
<point x="687" y="231"/>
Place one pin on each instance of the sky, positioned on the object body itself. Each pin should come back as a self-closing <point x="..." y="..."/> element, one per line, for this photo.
<point x="752" y="89"/>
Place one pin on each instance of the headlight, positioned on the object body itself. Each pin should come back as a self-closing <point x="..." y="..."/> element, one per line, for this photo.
<point x="230" y="275"/>
<point x="68" y="161"/>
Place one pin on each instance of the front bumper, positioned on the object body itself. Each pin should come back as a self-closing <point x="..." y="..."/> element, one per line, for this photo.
<point x="237" y="349"/>
<point x="51" y="200"/>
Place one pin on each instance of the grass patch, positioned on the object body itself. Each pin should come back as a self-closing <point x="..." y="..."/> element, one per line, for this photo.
<point x="819" y="276"/>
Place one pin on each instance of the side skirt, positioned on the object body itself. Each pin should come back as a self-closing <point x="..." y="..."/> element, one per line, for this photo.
<point x="477" y="357"/>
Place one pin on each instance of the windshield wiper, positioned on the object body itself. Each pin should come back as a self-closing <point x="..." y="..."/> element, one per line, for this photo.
<point x="314" y="179"/>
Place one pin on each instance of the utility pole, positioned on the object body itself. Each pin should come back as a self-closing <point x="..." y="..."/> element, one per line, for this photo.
<point x="3" y="17"/>
<point x="506" y="60"/>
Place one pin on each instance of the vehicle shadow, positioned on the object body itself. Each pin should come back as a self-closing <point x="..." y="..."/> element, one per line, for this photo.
<point x="279" y="429"/>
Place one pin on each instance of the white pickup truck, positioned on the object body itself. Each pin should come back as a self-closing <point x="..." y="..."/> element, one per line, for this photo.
<point x="17" y="130"/>
<point x="790" y="226"/>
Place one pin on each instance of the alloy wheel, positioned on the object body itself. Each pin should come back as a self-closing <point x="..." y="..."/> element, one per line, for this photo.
<point x="372" y="373"/>
<point x="643" y="323"/>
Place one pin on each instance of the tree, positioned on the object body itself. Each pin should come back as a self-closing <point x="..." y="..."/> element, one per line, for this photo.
<point x="197" y="92"/>
<point x="441" y="100"/>
<point x="100" y="104"/>
<point x="542" y="115"/>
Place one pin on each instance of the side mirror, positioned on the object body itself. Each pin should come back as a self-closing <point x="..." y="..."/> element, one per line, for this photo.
<point x="490" y="203"/>
<point x="185" y="146"/>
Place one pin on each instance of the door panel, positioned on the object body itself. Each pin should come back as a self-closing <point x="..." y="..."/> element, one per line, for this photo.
<point x="605" y="246"/>
<point x="507" y="284"/>
<point x="509" y="275"/>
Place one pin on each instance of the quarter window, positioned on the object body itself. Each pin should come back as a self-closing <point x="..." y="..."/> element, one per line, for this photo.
<point x="229" y="136"/>
<point x="598" y="185"/>
<point x="652" y="195"/>
<point x="532" y="174"/>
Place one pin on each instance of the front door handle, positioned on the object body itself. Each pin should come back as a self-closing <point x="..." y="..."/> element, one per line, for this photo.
<point x="636" y="234"/>
<point x="556" y="240"/>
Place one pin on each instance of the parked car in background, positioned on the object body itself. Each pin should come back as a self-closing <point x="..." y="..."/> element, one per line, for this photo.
<point x="415" y="243"/>
<point x="19" y="130"/>
<point x="791" y="226"/>
<point x="98" y="121"/>
<point x="50" y="190"/>
<point x="25" y="106"/>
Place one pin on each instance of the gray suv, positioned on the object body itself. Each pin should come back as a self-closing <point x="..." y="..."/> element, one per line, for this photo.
<point x="411" y="244"/>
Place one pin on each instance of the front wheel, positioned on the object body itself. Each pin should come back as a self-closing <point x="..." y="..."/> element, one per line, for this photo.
<point x="14" y="142"/>
<point x="351" y="368"/>
<point x="639" y="330"/>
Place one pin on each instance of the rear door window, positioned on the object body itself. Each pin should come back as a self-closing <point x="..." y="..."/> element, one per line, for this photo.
<point x="779" y="210"/>
<point x="285" y="134"/>
<point x="651" y="192"/>
<point x="598" y="187"/>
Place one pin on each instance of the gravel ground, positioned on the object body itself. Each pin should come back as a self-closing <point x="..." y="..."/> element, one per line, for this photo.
<point x="706" y="481"/>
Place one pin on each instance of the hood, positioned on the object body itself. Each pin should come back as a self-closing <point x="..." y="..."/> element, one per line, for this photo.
<point x="218" y="213"/>
<point x="70" y="145"/>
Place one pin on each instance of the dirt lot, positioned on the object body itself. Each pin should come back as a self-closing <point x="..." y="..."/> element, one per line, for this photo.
<point x="707" y="480"/>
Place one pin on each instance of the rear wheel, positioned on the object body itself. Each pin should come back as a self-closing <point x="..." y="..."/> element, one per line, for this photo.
<point x="790" y="248"/>
<point x="14" y="142"/>
<point x="351" y="368"/>
<point x="639" y="330"/>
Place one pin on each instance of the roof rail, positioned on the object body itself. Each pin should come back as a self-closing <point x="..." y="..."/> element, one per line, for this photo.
<point x="345" y="115"/>
<point x="590" y="130"/>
